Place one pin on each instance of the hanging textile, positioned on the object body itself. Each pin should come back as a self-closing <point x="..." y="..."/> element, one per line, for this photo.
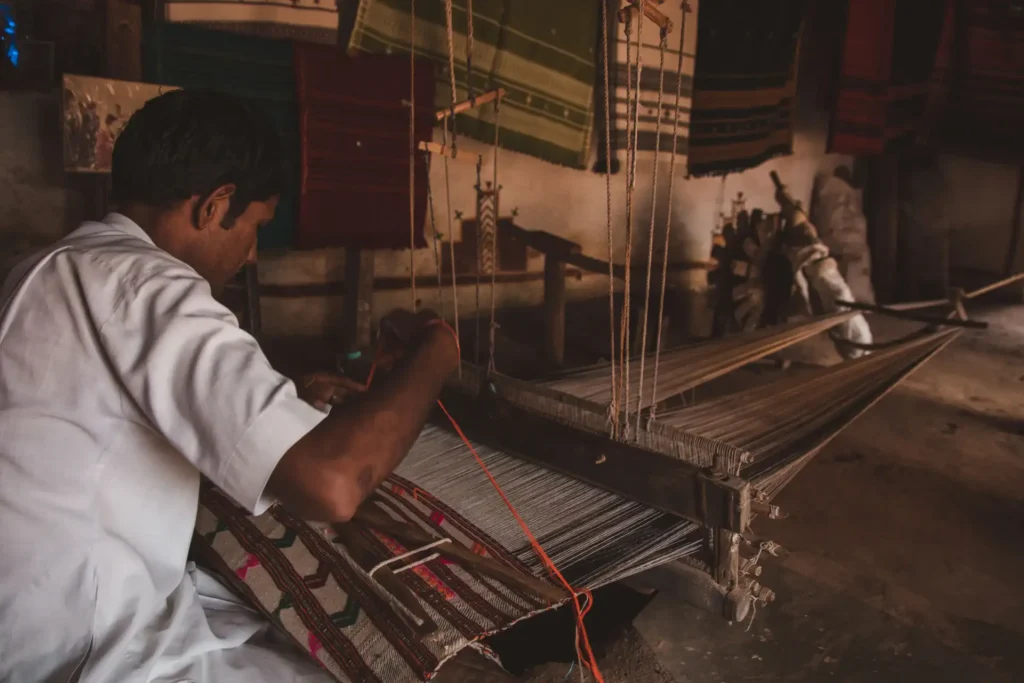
<point x="982" y="68"/>
<point x="311" y="20"/>
<point x="542" y="54"/>
<point x="648" y="114"/>
<point x="258" y="70"/>
<point x="888" y="63"/>
<point x="354" y="142"/>
<point x="744" y="84"/>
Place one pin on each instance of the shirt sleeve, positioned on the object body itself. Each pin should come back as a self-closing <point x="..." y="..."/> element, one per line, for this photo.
<point x="203" y="382"/>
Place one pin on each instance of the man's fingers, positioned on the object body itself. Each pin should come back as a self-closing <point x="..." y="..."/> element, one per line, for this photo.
<point x="343" y="383"/>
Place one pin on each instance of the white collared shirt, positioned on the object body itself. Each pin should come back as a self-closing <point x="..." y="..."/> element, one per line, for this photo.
<point x="121" y="380"/>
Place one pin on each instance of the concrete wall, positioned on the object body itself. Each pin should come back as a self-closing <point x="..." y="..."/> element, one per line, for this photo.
<point x="36" y="207"/>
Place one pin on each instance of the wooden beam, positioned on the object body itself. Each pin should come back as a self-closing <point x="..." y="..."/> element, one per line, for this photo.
<point x="554" y="310"/>
<point x="446" y="151"/>
<point x="883" y="213"/>
<point x="660" y="481"/>
<point x="471" y="103"/>
<point x="650" y="11"/>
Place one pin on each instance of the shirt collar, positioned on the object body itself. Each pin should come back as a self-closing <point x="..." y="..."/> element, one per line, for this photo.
<point x="124" y="224"/>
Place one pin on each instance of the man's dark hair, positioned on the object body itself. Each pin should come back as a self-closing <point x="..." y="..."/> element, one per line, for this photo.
<point x="190" y="142"/>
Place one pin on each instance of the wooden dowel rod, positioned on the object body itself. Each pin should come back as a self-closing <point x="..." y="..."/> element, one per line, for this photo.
<point x="918" y="305"/>
<point x="651" y="12"/>
<point x="994" y="286"/>
<point x="373" y="517"/>
<point x="471" y="103"/>
<point x="916" y="317"/>
<point x="446" y="151"/>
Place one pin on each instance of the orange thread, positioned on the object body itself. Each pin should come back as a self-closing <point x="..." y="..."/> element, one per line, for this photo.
<point x="590" y="662"/>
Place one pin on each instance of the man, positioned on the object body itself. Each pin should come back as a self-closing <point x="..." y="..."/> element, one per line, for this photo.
<point x="122" y="380"/>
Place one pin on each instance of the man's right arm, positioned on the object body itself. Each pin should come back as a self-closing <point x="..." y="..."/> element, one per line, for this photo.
<point x="331" y="470"/>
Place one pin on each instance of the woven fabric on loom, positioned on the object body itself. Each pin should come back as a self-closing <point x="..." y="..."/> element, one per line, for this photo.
<point x="311" y="20"/>
<point x="886" y="75"/>
<point x="744" y="84"/>
<point x="258" y="70"/>
<point x="982" y="67"/>
<point x="354" y="132"/>
<point x="309" y="584"/>
<point x="542" y="54"/>
<point x="649" y="81"/>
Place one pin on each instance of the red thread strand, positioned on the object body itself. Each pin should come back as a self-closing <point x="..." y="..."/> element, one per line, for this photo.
<point x="590" y="661"/>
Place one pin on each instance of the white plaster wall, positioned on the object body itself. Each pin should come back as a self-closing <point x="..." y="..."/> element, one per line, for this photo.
<point x="36" y="208"/>
<point x="565" y="202"/>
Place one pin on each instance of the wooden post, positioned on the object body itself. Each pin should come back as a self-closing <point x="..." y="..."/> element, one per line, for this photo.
<point x="554" y="309"/>
<point x="357" y="307"/>
<point x="883" y="225"/>
<point x="252" y="300"/>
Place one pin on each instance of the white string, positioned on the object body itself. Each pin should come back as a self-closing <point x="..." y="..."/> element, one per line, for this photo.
<point x="650" y="236"/>
<point x="429" y="558"/>
<point x="494" y="237"/>
<point x="415" y="551"/>
<point x="447" y="180"/>
<point x="412" y="152"/>
<point x="613" y="406"/>
<point x="668" y="214"/>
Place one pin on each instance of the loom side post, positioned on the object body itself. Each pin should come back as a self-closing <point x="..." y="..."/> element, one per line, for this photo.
<point x="554" y="310"/>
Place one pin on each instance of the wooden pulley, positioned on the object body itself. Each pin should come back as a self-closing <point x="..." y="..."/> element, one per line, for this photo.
<point x="753" y="280"/>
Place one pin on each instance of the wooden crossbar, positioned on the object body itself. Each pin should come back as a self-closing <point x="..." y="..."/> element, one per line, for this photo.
<point x="471" y="103"/>
<point x="650" y="11"/>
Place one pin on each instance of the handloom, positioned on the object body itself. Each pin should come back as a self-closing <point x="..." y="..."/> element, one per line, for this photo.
<point x="598" y="490"/>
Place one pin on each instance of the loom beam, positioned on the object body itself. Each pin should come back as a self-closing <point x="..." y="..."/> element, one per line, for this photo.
<point x="711" y="498"/>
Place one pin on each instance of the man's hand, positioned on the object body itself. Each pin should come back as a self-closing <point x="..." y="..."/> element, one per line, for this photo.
<point x="402" y="332"/>
<point x="322" y="389"/>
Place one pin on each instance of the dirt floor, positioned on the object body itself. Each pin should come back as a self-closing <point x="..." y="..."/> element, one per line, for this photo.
<point x="906" y="541"/>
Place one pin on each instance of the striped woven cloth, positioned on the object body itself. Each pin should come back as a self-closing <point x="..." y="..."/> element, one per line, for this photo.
<point x="744" y="84"/>
<point x="651" y="76"/>
<point x="542" y="54"/>
<point x="312" y="20"/>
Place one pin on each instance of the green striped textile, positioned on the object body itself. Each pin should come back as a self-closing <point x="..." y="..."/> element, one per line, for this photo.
<point x="258" y="70"/>
<point x="541" y="52"/>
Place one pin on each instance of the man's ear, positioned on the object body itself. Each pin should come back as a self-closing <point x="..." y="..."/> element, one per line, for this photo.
<point x="212" y="209"/>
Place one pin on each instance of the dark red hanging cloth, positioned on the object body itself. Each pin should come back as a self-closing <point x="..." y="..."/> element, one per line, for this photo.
<point x="983" y="69"/>
<point x="354" y="130"/>
<point x="887" y="75"/>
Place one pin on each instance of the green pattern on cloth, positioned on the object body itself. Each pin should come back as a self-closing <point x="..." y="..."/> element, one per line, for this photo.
<point x="543" y="54"/>
<point x="258" y="70"/>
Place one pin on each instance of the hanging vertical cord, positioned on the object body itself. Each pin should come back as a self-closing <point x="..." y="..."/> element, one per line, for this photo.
<point x="479" y="263"/>
<point x="634" y="98"/>
<point x="668" y="216"/>
<point x="450" y="119"/>
<point x="436" y="239"/>
<point x="469" y="49"/>
<point x="447" y="179"/>
<point x="650" y="237"/>
<point x="613" y="405"/>
<point x="412" y="152"/>
<point x="494" y="237"/>
<point x="624" y="310"/>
